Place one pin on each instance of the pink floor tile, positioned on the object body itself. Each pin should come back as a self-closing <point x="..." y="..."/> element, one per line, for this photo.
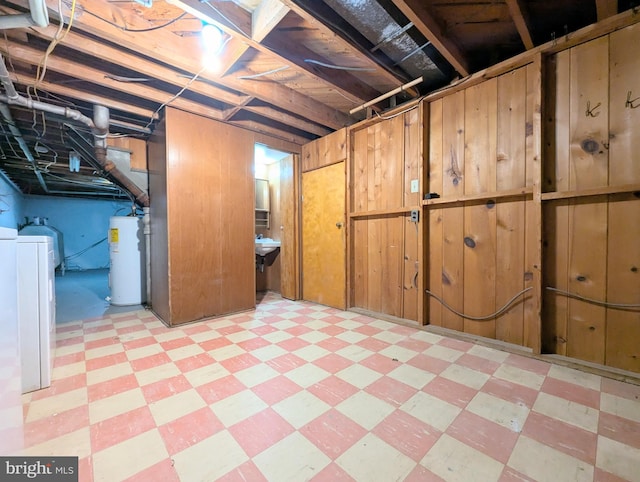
<point x="621" y="389"/>
<point x="530" y="364"/>
<point x="380" y="363"/>
<point x="403" y="330"/>
<point x="391" y="391"/>
<point x="422" y="474"/>
<point x="130" y="329"/>
<point x="263" y="330"/>
<point x="332" y="330"/>
<point x="332" y="319"/>
<point x="151" y="361"/>
<point x="68" y="359"/>
<point x="70" y="341"/>
<point x="165" y="388"/>
<point x="333" y="363"/>
<point x="253" y="343"/>
<point x="416" y="345"/>
<point x="456" y="344"/>
<point x="298" y="330"/>
<point x="429" y="363"/>
<point x="285" y="363"/>
<point x="106" y="361"/>
<point x="247" y="472"/>
<point x="114" y="386"/>
<point x="484" y="435"/>
<point x="260" y="431"/>
<point x="176" y="343"/>
<point x="373" y="344"/>
<point x="332" y="473"/>
<point x="67" y="327"/>
<point x="139" y="342"/>
<point x="478" y="363"/>
<point x="189" y="430"/>
<point x="240" y="362"/>
<point x="561" y="436"/>
<point x="277" y="389"/>
<point x="512" y="392"/>
<point x="61" y="386"/>
<point x="219" y="389"/>
<point x="406" y="433"/>
<point x="214" y="344"/>
<point x="110" y="340"/>
<point x="450" y="391"/>
<point x="332" y="390"/>
<point x="198" y="361"/>
<point x="572" y="392"/>
<point x="120" y="428"/>
<point x="106" y="326"/>
<point x="368" y="330"/>
<point x="228" y="330"/>
<point x="195" y="329"/>
<point x="52" y="427"/>
<point x="293" y="344"/>
<point x="600" y="475"/>
<point x="162" y="471"/>
<point x="620" y="429"/>
<point x="332" y="344"/>
<point x="333" y="433"/>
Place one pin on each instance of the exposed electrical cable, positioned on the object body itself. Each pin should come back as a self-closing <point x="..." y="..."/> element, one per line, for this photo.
<point x="607" y="304"/>
<point x="229" y="21"/>
<point x="388" y="117"/>
<point x="480" y="318"/>
<point x="81" y="252"/>
<point x="339" y="67"/>
<point x="262" y="74"/>
<point x="137" y="30"/>
<point x="120" y="78"/>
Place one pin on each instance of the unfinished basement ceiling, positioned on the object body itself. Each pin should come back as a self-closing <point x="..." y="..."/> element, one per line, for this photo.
<point x="290" y="69"/>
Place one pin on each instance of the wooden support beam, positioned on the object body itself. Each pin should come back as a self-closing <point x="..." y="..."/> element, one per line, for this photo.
<point x="416" y="11"/>
<point x="606" y="8"/>
<point x="266" y="17"/>
<point x="521" y="19"/>
<point x="270" y="131"/>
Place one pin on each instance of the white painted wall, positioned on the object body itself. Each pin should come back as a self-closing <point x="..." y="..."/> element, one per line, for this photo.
<point x="11" y="205"/>
<point x="82" y="222"/>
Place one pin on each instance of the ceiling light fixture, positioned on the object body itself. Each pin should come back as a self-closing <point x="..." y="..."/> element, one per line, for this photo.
<point x="74" y="161"/>
<point x="212" y="38"/>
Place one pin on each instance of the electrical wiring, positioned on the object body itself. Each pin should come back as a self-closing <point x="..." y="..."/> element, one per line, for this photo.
<point x="120" y="78"/>
<point x="387" y="117"/>
<point x="226" y="19"/>
<point x="82" y="251"/>
<point x="262" y="74"/>
<point x="607" y="304"/>
<point x="137" y="30"/>
<point x="339" y="67"/>
<point x="480" y="318"/>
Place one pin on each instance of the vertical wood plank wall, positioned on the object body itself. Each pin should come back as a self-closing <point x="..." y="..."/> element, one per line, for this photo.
<point x="591" y="240"/>
<point x="481" y="163"/>
<point x="385" y="269"/>
<point x="205" y="177"/>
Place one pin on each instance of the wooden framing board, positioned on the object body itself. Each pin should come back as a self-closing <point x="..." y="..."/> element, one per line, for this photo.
<point x="512" y="130"/>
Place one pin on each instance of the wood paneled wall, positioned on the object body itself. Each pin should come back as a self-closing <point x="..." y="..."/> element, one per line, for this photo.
<point x="325" y="151"/>
<point x="481" y="165"/>
<point x="205" y="179"/>
<point x="386" y="275"/>
<point x="592" y="205"/>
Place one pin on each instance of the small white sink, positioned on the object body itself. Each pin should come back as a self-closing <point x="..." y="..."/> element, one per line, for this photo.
<point x="265" y="246"/>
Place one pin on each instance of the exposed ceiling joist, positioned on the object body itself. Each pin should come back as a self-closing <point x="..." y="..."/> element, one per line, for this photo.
<point x="606" y="8"/>
<point x="521" y="18"/>
<point x="266" y="17"/>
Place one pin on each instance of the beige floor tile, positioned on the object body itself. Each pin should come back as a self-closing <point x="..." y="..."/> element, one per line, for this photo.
<point x="241" y="336"/>
<point x="284" y="324"/>
<point x="226" y="352"/>
<point x="567" y="411"/>
<point x="169" y="336"/>
<point x="314" y="336"/>
<point x="185" y="352"/>
<point x="372" y="459"/>
<point x="349" y="324"/>
<point x="389" y="336"/>
<point x="351" y="336"/>
<point x="58" y="403"/>
<point x="544" y="464"/>
<point x="622" y="407"/>
<point x="488" y="353"/>
<point x="307" y="375"/>
<point x="358" y="376"/>
<point x="100" y="335"/>
<point x="365" y="409"/>
<point x="144" y="351"/>
<point x="277" y="336"/>
<point x="294" y="458"/>
<point x="176" y="406"/>
<point x="301" y="408"/>
<point x="311" y="353"/>
<point x="129" y="457"/>
<point x="108" y="373"/>
<point x="519" y="376"/>
<point x="268" y="352"/>
<point x="317" y="324"/>
<point x="443" y="353"/>
<point x="431" y="410"/>
<point x="68" y="370"/>
<point x="103" y="351"/>
<point x="465" y="376"/>
<point x="354" y="353"/>
<point x="69" y="334"/>
<point x="236" y="408"/>
<point x="582" y="379"/>
<point x="412" y="376"/>
<point x="209" y="459"/>
<point x="619" y="459"/>
<point x="134" y="335"/>
<point x="427" y="337"/>
<point x="205" y="336"/>
<point x="155" y="374"/>
<point x="115" y="405"/>
<point x="73" y="444"/>
<point x="383" y="325"/>
<point x="398" y="353"/>
<point x="507" y="414"/>
<point x="256" y="374"/>
<point x="206" y="374"/>
<point x="457" y="462"/>
<point x="69" y="349"/>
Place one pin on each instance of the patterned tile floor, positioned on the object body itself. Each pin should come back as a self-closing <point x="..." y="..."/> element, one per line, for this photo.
<point x="296" y="391"/>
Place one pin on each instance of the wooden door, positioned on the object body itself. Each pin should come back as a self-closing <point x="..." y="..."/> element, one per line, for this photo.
<point x="289" y="260"/>
<point x="323" y="236"/>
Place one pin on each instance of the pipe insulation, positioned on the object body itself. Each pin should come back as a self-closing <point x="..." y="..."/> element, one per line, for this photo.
<point x="38" y="16"/>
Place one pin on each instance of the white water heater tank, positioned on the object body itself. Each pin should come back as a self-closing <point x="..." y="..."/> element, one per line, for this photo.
<point x="127" y="279"/>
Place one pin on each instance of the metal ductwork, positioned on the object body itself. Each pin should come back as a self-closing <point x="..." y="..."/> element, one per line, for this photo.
<point x="37" y="17"/>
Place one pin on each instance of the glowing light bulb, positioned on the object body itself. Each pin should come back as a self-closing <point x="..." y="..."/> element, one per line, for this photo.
<point x="211" y="37"/>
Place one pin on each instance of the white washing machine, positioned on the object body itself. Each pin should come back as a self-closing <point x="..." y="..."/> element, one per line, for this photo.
<point x="36" y="310"/>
